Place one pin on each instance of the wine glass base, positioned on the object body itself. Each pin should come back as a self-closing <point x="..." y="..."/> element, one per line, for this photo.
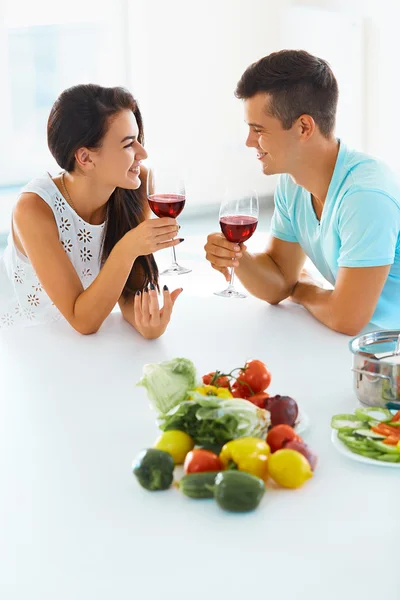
<point x="230" y="293"/>
<point x="176" y="270"/>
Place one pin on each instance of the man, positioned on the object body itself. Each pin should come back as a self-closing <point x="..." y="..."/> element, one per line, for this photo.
<point x="337" y="206"/>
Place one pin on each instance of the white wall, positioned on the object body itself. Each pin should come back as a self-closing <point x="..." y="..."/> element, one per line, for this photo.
<point x="381" y="71"/>
<point x="186" y="59"/>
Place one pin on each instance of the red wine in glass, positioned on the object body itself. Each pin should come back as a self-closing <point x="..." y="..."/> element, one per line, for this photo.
<point x="167" y="197"/>
<point x="238" y="219"/>
<point x="167" y="205"/>
<point x="238" y="228"/>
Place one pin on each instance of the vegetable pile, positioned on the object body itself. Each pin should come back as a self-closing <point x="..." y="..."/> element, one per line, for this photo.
<point x="370" y="432"/>
<point x="228" y="433"/>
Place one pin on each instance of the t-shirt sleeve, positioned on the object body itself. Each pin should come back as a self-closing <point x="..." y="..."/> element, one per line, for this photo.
<point x="369" y="226"/>
<point x="281" y="226"/>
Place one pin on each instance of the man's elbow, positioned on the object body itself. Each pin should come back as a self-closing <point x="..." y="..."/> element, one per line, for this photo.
<point x="348" y="326"/>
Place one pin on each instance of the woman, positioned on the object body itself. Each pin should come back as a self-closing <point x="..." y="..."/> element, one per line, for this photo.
<point x="83" y="241"/>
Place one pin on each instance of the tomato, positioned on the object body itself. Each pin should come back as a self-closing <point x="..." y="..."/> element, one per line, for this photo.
<point x="220" y="382"/>
<point x="201" y="461"/>
<point x="241" y="391"/>
<point x="256" y="375"/>
<point x="259" y="399"/>
<point x="279" y="435"/>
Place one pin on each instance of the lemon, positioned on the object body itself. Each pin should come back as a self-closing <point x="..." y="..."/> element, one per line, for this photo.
<point x="176" y="443"/>
<point x="289" y="468"/>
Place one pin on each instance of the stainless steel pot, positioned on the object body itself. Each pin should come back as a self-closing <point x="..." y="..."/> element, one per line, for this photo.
<point x="376" y="367"/>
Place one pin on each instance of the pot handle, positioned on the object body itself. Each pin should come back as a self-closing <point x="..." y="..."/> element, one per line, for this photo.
<point x="379" y="375"/>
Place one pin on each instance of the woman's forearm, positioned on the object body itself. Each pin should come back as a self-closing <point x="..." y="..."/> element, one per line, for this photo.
<point x="94" y="305"/>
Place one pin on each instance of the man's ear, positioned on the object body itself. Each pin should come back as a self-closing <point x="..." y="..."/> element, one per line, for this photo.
<point x="306" y="126"/>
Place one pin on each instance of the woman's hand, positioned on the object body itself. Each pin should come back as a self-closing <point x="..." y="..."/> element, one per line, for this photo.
<point x="148" y="319"/>
<point x="152" y="235"/>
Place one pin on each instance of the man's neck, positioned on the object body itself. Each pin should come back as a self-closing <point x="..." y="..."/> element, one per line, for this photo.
<point x="316" y="170"/>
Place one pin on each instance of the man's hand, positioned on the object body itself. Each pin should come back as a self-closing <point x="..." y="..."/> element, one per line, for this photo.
<point x="306" y="281"/>
<point x="223" y="254"/>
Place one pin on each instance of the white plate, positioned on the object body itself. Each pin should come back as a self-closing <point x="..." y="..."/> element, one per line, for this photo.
<point x="343" y="449"/>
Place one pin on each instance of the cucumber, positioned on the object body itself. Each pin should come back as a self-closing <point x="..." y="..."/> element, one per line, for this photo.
<point x="154" y="469"/>
<point x="347" y="422"/>
<point x="198" y="485"/>
<point x="384" y="448"/>
<point x="389" y="457"/>
<point x="237" y="491"/>
<point x="352" y="441"/>
<point x="367" y="453"/>
<point x="376" y="413"/>
<point x="368" y="433"/>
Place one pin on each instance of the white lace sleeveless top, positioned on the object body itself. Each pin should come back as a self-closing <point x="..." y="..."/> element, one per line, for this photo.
<point x="23" y="301"/>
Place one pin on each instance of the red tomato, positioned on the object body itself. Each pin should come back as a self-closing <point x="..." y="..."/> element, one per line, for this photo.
<point x="279" y="435"/>
<point x="241" y="391"/>
<point x="259" y="399"/>
<point x="201" y="461"/>
<point x="220" y="382"/>
<point x="256" y="375"/>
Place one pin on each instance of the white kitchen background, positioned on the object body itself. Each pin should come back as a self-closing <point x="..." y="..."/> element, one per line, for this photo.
<point x="182" y="60"/>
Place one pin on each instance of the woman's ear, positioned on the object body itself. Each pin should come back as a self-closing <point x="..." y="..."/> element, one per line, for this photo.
<point x="84" y="158"/>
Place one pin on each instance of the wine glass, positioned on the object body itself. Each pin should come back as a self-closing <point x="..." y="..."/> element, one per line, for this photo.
<point x="238" y="220"/>
<point x="166" y="197"/>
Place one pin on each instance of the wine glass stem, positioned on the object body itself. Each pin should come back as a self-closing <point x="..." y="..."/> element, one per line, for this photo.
<point x="173" y="256"/>
<point x="232" y="278"/>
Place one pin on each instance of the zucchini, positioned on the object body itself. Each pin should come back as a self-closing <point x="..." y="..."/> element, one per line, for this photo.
<point x="198" y="485"/>
<point x="347" y="422"/>
<point x="376" y="413"/>
<point x="237" y="491"/>
<point x="154" y="469"/>
<point x="368" y="433"/>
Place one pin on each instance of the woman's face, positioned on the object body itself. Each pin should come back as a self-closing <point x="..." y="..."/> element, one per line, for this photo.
<point x="117" y="161"/>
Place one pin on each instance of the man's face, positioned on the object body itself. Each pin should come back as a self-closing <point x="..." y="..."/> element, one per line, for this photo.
<point x="276" y="147"/>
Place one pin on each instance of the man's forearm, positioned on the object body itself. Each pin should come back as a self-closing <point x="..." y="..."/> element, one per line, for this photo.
<point x="262" y="277"/>
<point x="320" y="303"/>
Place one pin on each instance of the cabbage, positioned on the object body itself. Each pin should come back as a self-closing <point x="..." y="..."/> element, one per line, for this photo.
<point x="168" y="383"/>
<point x="212" y="421"/>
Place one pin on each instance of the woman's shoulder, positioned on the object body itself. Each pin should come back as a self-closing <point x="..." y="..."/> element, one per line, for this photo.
<point x="42" y="186"/>
<point x="39" y="196"/>
<point x="30" y="207"/>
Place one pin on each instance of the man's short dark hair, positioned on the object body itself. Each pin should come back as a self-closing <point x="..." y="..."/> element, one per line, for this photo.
<point x="298" y="83"/>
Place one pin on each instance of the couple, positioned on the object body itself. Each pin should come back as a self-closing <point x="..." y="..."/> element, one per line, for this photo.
<point x="83" y="241"/>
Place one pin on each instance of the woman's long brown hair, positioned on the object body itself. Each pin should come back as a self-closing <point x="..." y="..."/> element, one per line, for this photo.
<point x="80" y="118"/>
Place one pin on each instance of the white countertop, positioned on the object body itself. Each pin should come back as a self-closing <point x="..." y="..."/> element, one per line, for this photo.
<point x="75" y="524"/>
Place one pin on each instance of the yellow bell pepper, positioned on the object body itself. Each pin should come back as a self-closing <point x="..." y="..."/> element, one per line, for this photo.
<point x="247" y="454"/>
<point x="212" y="390"/>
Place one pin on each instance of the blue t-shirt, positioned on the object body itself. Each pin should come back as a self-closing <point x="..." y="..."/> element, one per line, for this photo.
<point x="359" y="226"/>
